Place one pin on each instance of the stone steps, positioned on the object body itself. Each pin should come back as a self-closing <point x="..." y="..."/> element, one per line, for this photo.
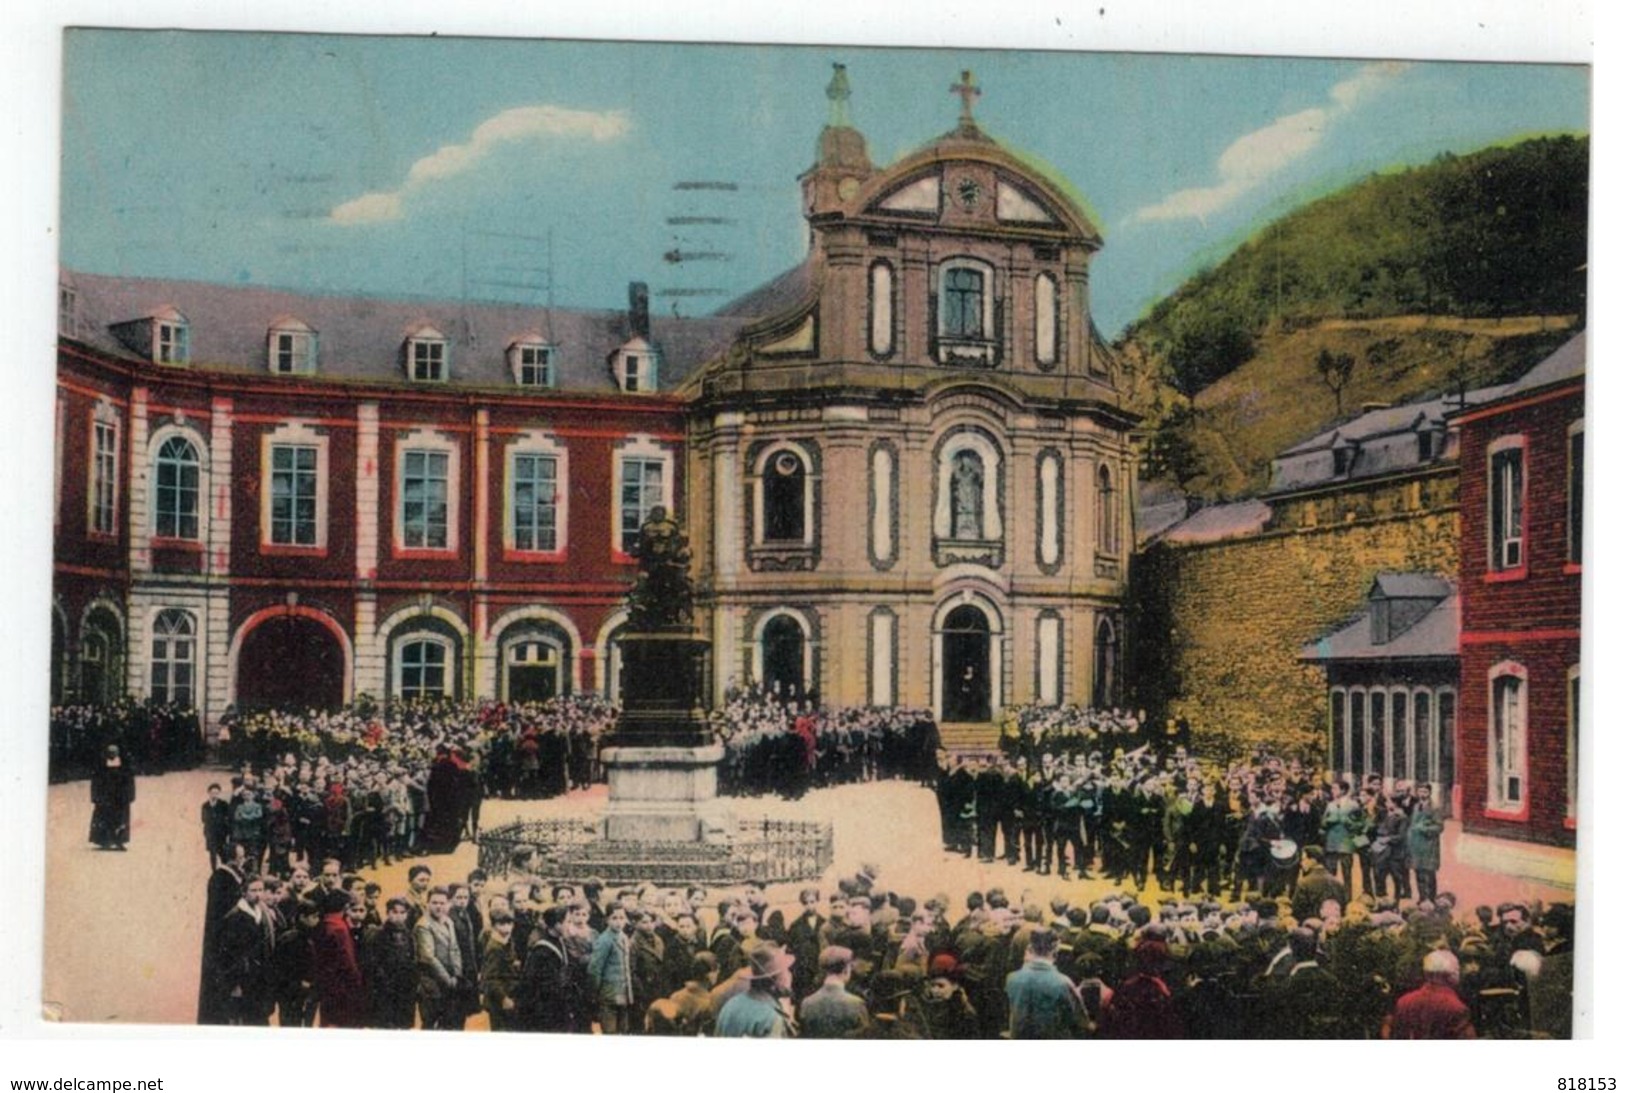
<point x="970" y="737"/>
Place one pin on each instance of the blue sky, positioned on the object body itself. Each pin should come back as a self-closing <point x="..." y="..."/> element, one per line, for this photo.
<point x="439" y="166"/>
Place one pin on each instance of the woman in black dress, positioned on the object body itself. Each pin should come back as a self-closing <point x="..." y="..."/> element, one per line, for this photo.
<point x="112" y="788"/>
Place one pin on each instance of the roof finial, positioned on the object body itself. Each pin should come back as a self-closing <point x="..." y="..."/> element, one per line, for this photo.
<point x="968" y="93"/>
<point x="838" y="92"/>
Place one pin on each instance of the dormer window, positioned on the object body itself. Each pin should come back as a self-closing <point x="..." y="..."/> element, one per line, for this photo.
<point x="532" y="364"/>
<point x="171" y="340"/>
<point x="426" y="356"/>
<point x="67" y="311"/>
<point x="1342" y="459"/>
<point x="1424" y="445"/>
<point x="637" y="367"/>
<point x="291" y="349"/>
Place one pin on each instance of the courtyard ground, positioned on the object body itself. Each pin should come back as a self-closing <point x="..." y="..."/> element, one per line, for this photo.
<point x="123" y="930"/>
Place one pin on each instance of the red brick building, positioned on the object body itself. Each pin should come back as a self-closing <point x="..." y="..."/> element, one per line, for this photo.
<point x="265" y="498"/>
<point x="1522" y="463"/>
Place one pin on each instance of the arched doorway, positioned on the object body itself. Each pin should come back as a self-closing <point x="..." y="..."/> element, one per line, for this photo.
<point x="784" y="651"/>
<point x="101" y="658"/>
<point x="290" y="662"/>
<point x="967" y="683"/>
<point x="535" y="664"/>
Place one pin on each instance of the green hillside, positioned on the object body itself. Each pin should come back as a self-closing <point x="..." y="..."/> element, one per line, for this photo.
<point x="1469" y="269"/>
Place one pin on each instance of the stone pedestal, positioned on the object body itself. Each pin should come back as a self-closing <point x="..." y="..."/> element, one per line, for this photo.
<point x="661" y="759"/>
<point x="665" y="795"/>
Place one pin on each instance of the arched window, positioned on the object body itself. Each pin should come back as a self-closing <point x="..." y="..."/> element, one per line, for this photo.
<point x="175" y="495"/>
<point x="423" y="667"/>
<point x="1508" y="742"/>
<point x="1106" y="522"/>
<point x="968" y="479"/>
<point x="784" y="498"/>
<point x="1105" y="691"/>
<point x="174" y="657"/>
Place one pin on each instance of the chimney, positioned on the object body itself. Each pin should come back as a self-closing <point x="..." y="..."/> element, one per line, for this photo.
<point x="638" y="309"/>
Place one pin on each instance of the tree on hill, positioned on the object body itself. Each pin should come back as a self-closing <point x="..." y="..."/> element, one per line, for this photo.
<point x="1336" y="369"/>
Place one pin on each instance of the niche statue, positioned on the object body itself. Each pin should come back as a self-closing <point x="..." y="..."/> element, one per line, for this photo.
<point x="663" y="597"/>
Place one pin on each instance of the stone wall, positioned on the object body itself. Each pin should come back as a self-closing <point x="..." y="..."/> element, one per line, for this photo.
<point x="1218" y="625"/>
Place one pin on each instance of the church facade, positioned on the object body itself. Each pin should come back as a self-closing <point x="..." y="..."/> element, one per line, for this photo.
<point x="910" y="475"/>
<point x="904" y="468"/>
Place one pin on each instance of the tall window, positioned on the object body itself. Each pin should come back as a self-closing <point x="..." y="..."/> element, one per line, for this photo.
<point x="104" y="478"/>
<point x="1399" y="753"/>
<point x="881" y="307"/>
<point x="293" y="494"/>
<point x="1106" y="517"/>
<point x="174" y="656"/>
<point x="535" y="502"/>
<point x="1357" y="731"/>
<point x="643" y="486"/>
<point x="969" y="476"/>
<point x="1377" y="738"/>
<point x="784" y="498"/>
<point x="963" y="297"/>
<point x="1422" y="749"/>
<point x="424" y="499"/>
<point x="1339" y="726"/>
<point x="1577" y="452"/>
<point x="422" y="668"/>
<point x="175" y="500"/>
<point x="1105" y="666"/>
<point x="1044" y="315"/>
<point x="1507" y="743"/>
<point x="1506" y="508"/>
<point x="1574" y="742"/>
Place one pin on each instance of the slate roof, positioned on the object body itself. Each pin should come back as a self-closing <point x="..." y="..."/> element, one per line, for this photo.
<point x="1424" y="586"/>
<point x="788" y="288"/>
<point x="1383" y="441"/>
<point x="1569" y="362"/>
<point x="1436" y="634"/>
<point x="361" y="338"/>
<point x="1216" y="522"/>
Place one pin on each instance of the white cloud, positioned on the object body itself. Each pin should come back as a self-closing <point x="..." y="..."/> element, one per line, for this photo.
<point x="1253" y="158"/>
<point x="521" y="124"/>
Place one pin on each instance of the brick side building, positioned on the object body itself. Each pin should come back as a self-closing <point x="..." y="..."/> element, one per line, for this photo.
<point x="272" y="499"/>
<point x="1522" y="462"/>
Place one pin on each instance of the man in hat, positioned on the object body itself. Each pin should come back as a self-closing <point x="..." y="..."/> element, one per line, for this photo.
<point x="1422" y="842"/>
<point x="759" y="1012"/>
<point x="1044" y="1005"/>
<point x="832" y="1012"/>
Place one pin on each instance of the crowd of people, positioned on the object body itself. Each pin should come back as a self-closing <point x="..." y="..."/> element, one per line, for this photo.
<point x="1197" y="828"/>
<point x="786" y="746"/>
<point x="331" y="948"/>
<point x="155" y="736"/>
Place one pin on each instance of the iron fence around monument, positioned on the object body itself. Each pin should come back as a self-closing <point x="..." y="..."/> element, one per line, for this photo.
<point x="767" y="851"/>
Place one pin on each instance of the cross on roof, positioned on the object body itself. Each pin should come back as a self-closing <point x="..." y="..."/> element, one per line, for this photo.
<point x="968" y="93"/>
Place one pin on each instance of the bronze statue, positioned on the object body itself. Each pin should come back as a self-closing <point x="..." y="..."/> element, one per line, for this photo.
<point x="663" y="597"/>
